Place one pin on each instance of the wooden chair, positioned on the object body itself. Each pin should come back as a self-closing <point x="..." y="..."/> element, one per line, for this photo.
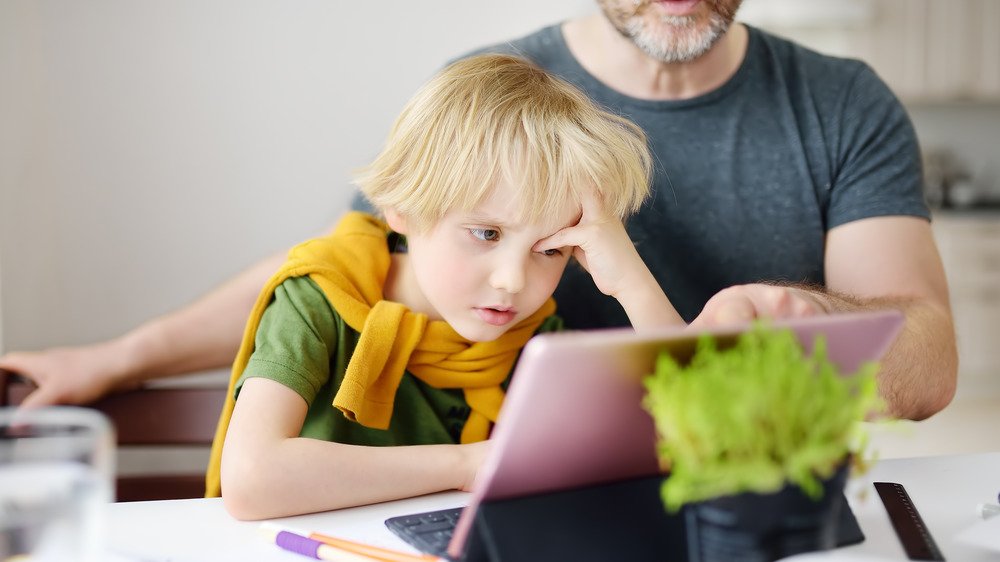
<point x="155" y="417"/>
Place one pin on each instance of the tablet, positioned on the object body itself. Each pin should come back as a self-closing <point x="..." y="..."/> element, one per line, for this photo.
<point x="573" y="414"/>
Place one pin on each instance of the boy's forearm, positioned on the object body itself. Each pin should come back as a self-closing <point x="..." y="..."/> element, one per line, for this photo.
<point x="302" y="475"/>
<point x="645" y="303"/>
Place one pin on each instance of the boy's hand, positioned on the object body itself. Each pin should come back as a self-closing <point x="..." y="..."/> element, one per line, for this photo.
<point x="602" y="246"/>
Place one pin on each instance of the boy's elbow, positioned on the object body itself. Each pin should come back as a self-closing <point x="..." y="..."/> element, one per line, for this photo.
<point x="244" y="490"/>
<point x="241" y="505"/>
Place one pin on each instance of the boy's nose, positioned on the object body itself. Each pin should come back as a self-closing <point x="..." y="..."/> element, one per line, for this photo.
<point x="508" y="277"/>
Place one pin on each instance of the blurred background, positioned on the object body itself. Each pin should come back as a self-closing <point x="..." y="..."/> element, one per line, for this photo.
<point x="151" y="150"/>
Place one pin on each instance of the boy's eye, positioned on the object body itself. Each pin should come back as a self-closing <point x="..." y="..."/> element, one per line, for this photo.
<point x="485" y="234"/>
<point x="552" y="252"/>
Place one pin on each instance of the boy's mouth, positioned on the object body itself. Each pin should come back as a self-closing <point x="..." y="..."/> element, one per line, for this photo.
<point x="496" y="316"/>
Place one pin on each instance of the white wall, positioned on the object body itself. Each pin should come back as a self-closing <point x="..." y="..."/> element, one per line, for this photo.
<point x="151" y="149"/>
<point x="969" y="132"/>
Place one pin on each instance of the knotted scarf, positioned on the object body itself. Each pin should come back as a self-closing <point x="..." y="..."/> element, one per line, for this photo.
<point x="350" y="266"/>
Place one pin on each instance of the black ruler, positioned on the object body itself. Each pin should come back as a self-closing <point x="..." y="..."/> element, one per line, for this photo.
<point x="910" y="528"/>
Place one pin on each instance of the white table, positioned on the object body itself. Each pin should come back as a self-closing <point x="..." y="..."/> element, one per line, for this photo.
<point x="945" y="490"/>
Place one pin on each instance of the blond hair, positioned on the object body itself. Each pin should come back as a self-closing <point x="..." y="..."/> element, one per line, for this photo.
<point x="489" y="118"/>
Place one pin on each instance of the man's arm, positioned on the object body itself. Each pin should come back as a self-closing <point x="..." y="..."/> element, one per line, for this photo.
<point x="203" y="335"/>
<point x="894" y="262"/>
<point x="875" y="263"/>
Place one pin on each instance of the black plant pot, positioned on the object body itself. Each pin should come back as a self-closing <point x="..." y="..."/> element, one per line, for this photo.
<point x="753" y="527"/>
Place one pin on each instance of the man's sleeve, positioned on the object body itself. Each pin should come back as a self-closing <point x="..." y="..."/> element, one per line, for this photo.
<point x="878" y="166"/>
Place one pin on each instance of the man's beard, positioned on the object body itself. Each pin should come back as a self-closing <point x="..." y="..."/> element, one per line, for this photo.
<point x="687" y="37"/>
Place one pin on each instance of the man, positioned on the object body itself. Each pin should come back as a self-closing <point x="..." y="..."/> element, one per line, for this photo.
<point x="787" y="184"/>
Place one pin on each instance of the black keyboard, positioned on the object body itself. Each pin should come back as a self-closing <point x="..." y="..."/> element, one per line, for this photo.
<point x="428" y="532"/>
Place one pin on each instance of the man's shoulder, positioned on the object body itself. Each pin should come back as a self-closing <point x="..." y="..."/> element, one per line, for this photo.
<point x="824" y="76"/>
<point x="787" y="52"/>
<point x="543" y="46"/>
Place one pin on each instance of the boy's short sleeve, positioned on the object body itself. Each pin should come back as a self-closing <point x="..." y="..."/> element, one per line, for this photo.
<point x="295" y="340"/>
<point x="553" y="323"/>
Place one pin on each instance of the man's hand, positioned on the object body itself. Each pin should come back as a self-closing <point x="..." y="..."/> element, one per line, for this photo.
<point x="912" y="389"/>
<point x="742" y="303"/>
<point x="67" y="375"/>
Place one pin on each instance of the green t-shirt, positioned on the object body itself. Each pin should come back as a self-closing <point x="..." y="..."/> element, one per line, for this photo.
<point x="305" y="345"/>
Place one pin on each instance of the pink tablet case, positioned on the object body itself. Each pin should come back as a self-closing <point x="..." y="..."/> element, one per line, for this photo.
<point x="573" y="414"/>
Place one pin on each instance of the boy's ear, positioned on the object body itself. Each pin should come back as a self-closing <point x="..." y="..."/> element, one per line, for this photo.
<point x="396" y="221"/>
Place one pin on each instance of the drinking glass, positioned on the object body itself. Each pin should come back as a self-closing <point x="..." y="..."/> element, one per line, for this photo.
<point x="56" y="470"/>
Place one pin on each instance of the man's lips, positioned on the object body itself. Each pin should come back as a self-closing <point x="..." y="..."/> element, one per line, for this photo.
<point x="496" y="316"/>
<point x="678" y="7"/>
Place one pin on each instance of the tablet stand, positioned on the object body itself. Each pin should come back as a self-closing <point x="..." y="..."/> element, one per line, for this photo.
<point x="617" y="521"/>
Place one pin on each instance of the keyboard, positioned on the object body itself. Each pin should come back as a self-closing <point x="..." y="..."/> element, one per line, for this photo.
<point x="428" y="532"/>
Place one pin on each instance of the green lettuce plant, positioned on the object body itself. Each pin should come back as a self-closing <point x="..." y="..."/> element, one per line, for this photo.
<point x="755" y="416"/>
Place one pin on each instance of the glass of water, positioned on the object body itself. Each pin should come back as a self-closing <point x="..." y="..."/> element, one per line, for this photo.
<point x="56" y="470"/>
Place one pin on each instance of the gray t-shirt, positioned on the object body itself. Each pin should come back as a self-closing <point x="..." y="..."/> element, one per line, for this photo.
<point x="750" y="176"/>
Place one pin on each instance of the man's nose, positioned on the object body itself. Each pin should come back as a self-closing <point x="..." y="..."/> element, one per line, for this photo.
<point x="508" y="276"/>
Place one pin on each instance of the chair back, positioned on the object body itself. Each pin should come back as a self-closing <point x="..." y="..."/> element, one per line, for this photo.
<point x="149" y="417"/>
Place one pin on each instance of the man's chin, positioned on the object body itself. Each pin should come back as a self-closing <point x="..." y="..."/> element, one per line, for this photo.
<point x="686" y="43"/>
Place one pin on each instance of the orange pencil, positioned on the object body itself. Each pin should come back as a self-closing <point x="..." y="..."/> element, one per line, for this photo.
<point x="363" y="552"/>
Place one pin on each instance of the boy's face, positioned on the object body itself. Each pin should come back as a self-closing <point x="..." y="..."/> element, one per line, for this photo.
<point x="477" y="270"/>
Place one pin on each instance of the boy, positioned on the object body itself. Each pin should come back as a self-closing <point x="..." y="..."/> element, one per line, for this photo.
<point x="373" y="365"/>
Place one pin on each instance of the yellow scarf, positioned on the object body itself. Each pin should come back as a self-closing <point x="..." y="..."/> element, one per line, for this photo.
<point x="350" y="266"/>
